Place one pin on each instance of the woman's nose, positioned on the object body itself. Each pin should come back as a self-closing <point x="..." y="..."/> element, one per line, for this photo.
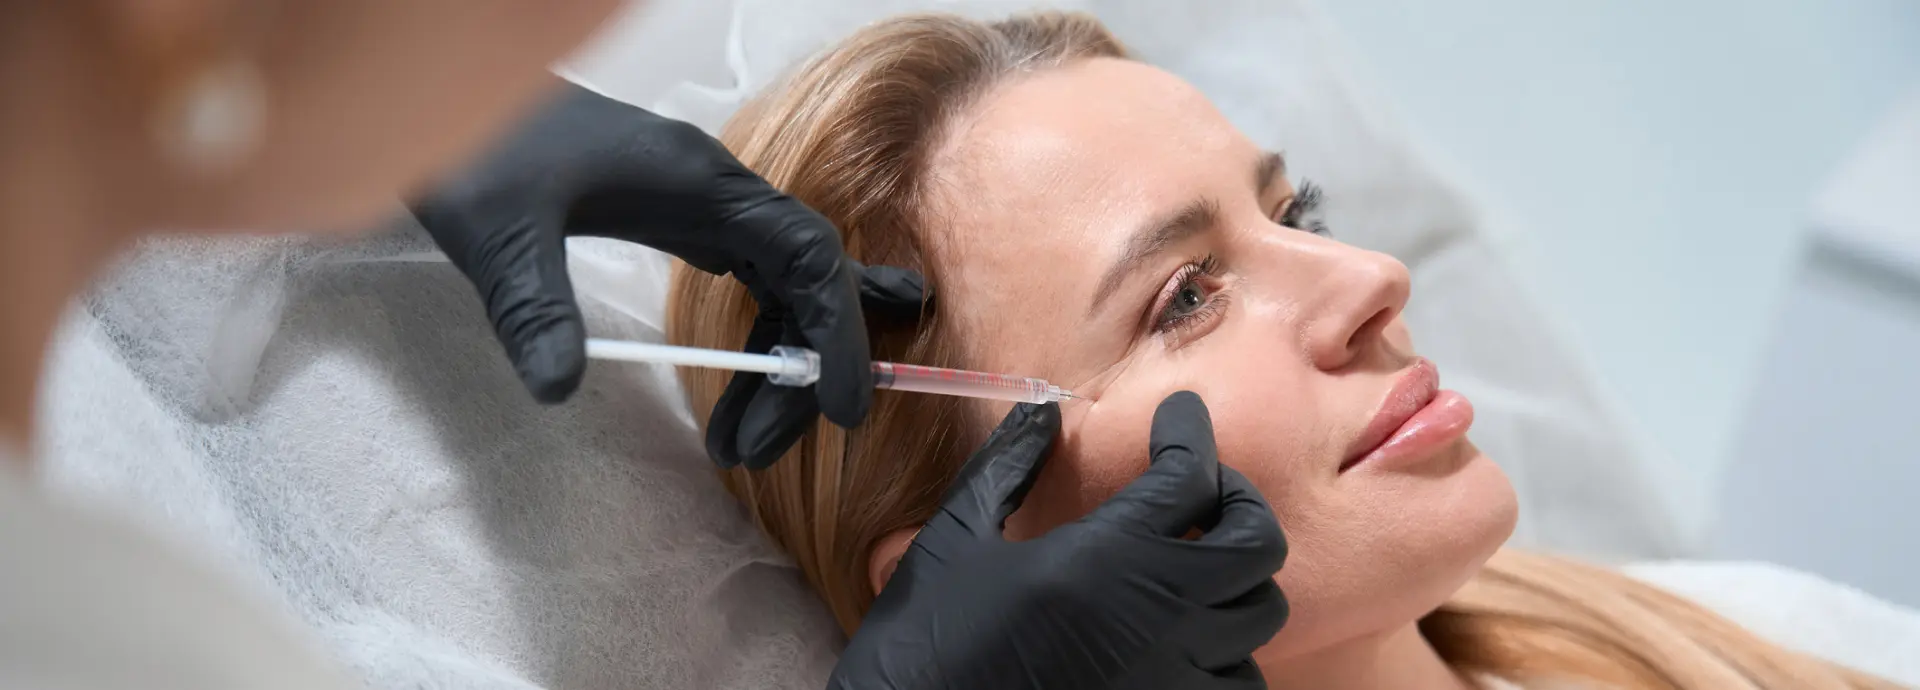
<point x="1365" y="292"/>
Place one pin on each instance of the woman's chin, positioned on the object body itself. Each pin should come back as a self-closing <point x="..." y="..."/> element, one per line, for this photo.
<point x="1410" y="542"/>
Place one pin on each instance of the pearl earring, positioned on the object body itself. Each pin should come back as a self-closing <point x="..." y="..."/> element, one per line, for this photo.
<point x="212" y="123"/>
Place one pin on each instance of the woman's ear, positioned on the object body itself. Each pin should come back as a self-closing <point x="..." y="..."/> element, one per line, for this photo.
<point x="886" y="556"/>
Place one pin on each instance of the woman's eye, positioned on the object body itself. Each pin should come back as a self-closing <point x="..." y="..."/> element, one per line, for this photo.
<point x="1303" y="212"/>
<point x="1188" y="300"/>
<point x="1190" y="297"/>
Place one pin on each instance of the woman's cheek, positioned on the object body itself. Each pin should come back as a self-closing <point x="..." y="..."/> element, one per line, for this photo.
<point x="1102" y="447"/>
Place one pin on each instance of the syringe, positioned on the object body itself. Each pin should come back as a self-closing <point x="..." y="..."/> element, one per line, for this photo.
<point x="798" y="366"/>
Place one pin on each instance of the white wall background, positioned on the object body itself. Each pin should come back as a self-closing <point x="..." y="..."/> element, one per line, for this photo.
<point x="1663" y="155"/>
<point x="1825" y="466"/>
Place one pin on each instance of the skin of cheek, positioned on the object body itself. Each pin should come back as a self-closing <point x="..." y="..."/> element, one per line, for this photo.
<point x="1102" y="447"/>
<point x="1104" y="442"/>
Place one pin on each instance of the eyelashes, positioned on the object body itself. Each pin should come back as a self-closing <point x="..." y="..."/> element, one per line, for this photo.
<point x="1303" y="212"/>
<point x="1193" y="295"/>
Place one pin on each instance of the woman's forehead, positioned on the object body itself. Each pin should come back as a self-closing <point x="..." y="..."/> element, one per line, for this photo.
<point x="1036" y="190"/>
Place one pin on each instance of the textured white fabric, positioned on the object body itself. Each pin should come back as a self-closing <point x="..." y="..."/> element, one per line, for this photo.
<point x="88" y="603"/>
<point x="1801" y="611"/>
<point x="383" y="472"/>
<point x="1790" y="608"/>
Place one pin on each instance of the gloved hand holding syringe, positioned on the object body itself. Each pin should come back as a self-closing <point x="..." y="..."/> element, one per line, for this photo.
<point x="797" y="366"/>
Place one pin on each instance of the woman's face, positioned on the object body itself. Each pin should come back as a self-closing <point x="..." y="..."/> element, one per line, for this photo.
<point x="1104" y="227"/>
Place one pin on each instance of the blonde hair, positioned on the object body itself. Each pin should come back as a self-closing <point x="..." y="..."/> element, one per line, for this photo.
<point x="849" y="134"/>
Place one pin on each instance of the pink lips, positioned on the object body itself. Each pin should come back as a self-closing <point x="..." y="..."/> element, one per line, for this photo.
<point x="1416" y="419"/>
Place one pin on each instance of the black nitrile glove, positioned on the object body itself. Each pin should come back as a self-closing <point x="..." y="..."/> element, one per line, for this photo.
<point x="592" y="166"/>
<point x="1118" y="599"/>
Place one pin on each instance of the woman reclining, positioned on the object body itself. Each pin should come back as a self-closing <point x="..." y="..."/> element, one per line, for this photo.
<point x="1092" y="220"/>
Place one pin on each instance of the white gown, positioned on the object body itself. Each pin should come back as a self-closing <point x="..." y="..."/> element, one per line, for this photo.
<point x="90" y="603"/>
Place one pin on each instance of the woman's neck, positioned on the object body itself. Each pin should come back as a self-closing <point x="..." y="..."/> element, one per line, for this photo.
<point x="1402" y="660"/>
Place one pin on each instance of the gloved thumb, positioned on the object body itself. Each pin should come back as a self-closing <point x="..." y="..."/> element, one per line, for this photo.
<point x="1181" y="488"/>
<point x="996" y="479"/>
<point x="520" y="271"/>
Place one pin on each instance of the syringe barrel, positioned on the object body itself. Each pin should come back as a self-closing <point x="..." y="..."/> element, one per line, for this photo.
<point x="800" y="366"/>
<point x="919" y="379"/>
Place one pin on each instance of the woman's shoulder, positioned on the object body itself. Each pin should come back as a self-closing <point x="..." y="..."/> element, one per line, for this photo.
<point x="1800" y="610"/>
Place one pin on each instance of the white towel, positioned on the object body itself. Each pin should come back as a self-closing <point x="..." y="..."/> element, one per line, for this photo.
<point x="1801" y="611"/>
<point x="1789" y="608"/>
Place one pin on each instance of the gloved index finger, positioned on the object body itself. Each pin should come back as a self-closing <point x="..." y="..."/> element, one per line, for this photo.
<point x="890" y="292"/>
<point x="517" y="261"/>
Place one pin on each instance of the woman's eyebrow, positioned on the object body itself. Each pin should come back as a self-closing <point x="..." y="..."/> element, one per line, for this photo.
<point x="1164" y="231"/>
<point x="1271" y="169"/>
<point x="1150" y="240"/>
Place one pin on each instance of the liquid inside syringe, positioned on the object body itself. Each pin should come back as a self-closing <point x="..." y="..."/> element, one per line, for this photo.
<point x="801" y="366"/>
<point x="971" y="384"/>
